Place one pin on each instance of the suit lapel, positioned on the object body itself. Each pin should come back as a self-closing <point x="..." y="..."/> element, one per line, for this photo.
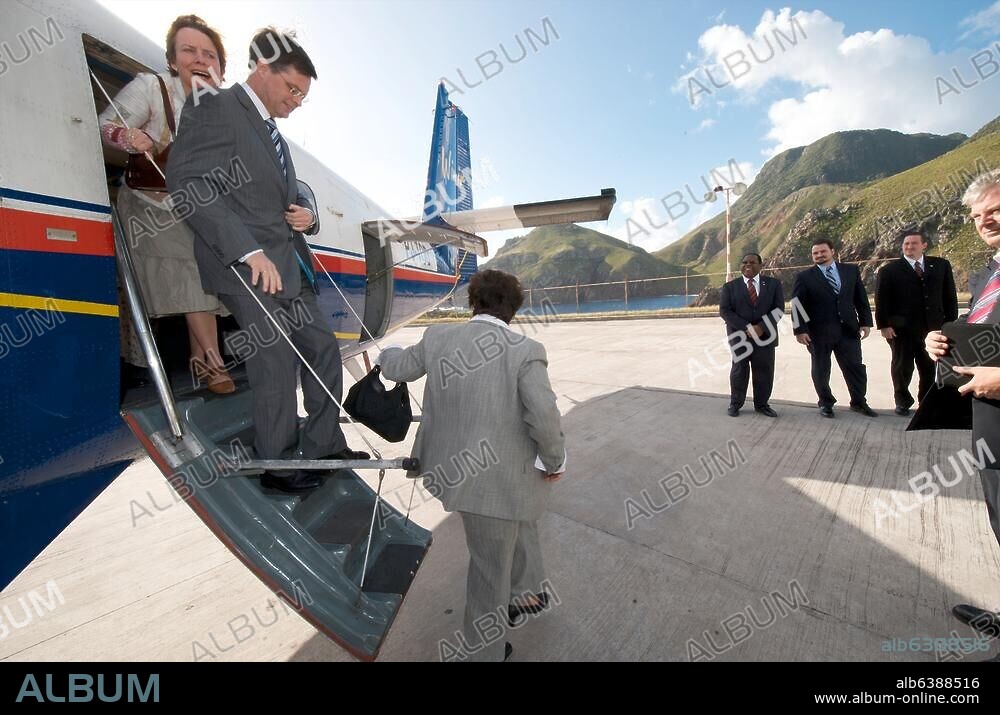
<point x="260" y="128"/>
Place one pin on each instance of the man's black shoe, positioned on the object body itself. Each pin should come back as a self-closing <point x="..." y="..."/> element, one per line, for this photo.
<point x="766" y="411"/>
<point x="733" y="411"/>
<point x="902" y="411"/>
<point x="979" y="618"/>
<point x="293" y="484"/>
<point x="864" y="410"/>
<point x="826" y="410"/>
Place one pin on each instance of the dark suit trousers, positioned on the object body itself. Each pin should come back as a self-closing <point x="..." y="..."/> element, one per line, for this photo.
<point x="761" y="362"/>
<point x="273" y="367"/>
<point x="908" y="348"/>
<point x="991" y="491"/>
<point x="848" y="353"/>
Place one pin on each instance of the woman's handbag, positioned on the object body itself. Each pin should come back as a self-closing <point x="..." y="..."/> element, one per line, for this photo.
<point x="140" y="174"/>
<point x="387" y="413"/>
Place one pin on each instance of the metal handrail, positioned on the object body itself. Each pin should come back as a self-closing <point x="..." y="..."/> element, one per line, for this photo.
<point x="137" y="308"/>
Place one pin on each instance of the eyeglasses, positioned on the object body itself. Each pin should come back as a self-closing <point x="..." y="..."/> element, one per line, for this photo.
<point x="296" y="92"/>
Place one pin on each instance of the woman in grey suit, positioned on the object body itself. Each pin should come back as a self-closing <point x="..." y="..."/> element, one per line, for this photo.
<point x="490" y="445"/>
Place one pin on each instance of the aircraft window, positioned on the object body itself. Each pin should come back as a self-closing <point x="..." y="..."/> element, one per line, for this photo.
<point x="306" y="193"/>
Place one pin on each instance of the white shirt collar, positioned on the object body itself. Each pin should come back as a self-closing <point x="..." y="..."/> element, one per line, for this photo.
<point x="755" y="279"/>
<point x="913" y="262"/>
<point x="485" y="318"/>
<point x="264" y="114"/>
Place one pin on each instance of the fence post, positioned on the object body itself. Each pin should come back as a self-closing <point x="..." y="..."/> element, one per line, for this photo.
<point x="626" y="293"/>
<point x="578" y="296"/>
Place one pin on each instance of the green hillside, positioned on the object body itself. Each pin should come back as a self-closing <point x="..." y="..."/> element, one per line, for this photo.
<point x="568" y="255"/>
<point x="865" y="186"/>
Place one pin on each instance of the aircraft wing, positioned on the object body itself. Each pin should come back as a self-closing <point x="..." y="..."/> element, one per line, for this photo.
<point x="542" y="213"/>
<point x="435" y="233"/>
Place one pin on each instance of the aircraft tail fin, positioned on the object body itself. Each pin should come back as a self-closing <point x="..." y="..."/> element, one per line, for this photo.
<point x="449" y="181"/>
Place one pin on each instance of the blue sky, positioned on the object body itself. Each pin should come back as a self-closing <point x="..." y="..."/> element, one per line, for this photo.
<point x="608" y="103"/>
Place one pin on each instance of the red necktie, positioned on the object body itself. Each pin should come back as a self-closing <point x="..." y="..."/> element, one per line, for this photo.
<point x="987" y="300"/>
<point x="753" y="291"/>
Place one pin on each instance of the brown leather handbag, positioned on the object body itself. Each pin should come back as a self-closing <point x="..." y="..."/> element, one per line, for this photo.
<point x="140" y="174"/>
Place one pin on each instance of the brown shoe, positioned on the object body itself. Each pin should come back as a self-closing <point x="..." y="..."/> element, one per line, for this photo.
<point x="220" y="383"/>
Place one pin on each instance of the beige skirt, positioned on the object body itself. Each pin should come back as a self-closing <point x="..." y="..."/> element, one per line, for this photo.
<point x="162" y="248"/>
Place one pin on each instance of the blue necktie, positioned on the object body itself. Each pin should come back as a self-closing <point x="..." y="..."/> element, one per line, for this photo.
<point x="832" y="279"/>
<point x="276" y="138"/>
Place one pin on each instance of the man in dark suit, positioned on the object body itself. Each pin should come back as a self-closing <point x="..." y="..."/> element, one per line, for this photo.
<point x="914" y="295"/>
<point x="752" y="305"/>
<point x="257" y="227"/>
<point x="831" y="315"/>
<point x="983" y="200"/>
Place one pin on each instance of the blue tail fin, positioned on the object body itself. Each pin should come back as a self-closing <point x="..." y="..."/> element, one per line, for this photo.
<point x="449" y="179"/>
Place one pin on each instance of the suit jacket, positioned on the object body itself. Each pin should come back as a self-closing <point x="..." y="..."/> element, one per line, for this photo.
<point x="234" y="192"/>
<point x="489" y="411"/>
<point x="985" y="413"/>
<point x="736" y="309"/>
<point x="826" y="311"/>
<point x="906" y="303"/>
<point x="945" y="409"/>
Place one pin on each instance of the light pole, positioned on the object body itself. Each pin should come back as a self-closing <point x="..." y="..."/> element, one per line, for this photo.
<point x="737" y="189"/>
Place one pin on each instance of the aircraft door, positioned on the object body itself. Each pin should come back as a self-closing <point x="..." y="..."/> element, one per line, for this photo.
<point x="378" y="287"/>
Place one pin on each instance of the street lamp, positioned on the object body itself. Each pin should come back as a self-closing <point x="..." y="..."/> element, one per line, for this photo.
<point x="737" y="190"/>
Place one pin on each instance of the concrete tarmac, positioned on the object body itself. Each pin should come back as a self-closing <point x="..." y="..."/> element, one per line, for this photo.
<point x="678" y="532"/>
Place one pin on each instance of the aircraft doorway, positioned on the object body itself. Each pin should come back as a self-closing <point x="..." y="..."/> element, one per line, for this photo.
<point x="378" y="288"/>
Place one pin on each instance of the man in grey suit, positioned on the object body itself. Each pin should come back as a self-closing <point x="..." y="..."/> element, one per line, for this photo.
<point x="983" y="201"/>
<point x="256" y="225"/>
<point x="490" y="445"/>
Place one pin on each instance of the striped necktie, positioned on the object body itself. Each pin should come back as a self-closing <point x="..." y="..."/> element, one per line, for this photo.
<point x="919" y="270"/>
<point x="832" y="280"/>
<point x="752" y="290"/>
<point x="276" y="138"/>
<point x="987" y="300"/>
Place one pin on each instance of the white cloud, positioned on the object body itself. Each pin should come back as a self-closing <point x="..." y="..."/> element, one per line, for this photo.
<point x="834" y="82"/>
<point x="652" y="223"/>
<point x="705" y="124"/>
<point x="986" y="22"/>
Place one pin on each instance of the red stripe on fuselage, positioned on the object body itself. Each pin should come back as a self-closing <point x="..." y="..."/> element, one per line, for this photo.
<point x="356" y="267"/>
<point x="26" y="231"/>
<point x="409" y="274"/>
<point x="339" y="264"/>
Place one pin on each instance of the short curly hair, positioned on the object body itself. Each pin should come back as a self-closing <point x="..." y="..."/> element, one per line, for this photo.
<point x="495" y="293"/>
<point x="195" y="23"/>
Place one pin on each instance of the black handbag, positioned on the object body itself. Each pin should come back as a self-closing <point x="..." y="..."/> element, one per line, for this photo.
<point x="387" y="413"/>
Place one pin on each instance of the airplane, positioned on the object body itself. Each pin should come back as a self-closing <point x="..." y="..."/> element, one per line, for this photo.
<point x="71" y="422"/>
